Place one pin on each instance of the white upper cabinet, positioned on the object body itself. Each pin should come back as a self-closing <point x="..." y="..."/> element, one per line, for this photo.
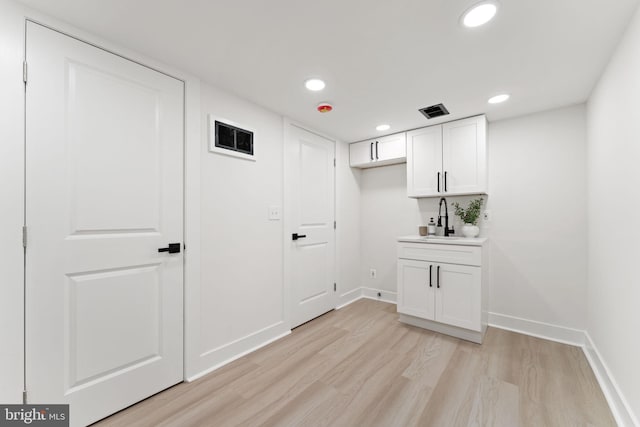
<point x="424" y="161"/>
<point x="464" y="156"/>
<point x="361" y="153"/>
<point x="387" y="150"/>
<point x="448" y="159"/>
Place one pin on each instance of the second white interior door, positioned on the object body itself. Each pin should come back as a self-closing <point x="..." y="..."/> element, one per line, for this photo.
<point x="310" y="160"/>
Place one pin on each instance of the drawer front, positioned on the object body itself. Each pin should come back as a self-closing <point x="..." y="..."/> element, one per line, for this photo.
<point x="451" y="254"/>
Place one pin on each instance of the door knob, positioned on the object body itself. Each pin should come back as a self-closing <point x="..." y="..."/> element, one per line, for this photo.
<point x="296" y="236"/>
<point x="173" y="248"/>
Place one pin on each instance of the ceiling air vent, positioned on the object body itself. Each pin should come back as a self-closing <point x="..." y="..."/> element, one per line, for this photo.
<point x="434" y="111"/>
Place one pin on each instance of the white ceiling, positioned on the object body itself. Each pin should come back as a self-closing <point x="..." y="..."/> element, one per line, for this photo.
<point x="382" y="60"/>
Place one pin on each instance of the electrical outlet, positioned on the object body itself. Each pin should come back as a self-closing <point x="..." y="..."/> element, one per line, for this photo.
<point x="486" y="216"/>
<point x="274" y="213"/>
<point x="372" y="273"/>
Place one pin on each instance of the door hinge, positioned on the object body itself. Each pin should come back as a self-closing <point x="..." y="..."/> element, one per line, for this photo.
<point x="335" y="287"/>
<point x="334" y="225"/>
<point x="24" y="72"/>
<point x="24" y="236"/>
<point x="334" y="162"/>
<point x="24" y="397"/>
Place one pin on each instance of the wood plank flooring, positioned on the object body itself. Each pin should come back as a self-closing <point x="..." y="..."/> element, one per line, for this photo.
<point x="359" y="366"/>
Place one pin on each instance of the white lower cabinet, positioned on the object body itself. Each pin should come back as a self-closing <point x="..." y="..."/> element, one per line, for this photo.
<point x="416" y="294"/>
<point x="442" y="296"/>
<point x="458" y="296"/>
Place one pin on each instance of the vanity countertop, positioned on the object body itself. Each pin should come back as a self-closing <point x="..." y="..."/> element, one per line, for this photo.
<point x="440" y="240"/>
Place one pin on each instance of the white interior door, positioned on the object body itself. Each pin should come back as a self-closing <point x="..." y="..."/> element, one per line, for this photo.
<point x="104" y="184"/>
<point x="310" y="161"/>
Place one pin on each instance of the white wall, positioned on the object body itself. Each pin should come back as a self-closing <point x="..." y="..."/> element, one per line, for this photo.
<point x="241" y="282"/>
<point x="386" y="213"/>
<point x="537" y="197"/>
<point x="348" y="216"/>
<point x="240" y="302"/>
<point x="11" y="205"/>
<point x="613" y="117"/>
<point x="538" y="231"/>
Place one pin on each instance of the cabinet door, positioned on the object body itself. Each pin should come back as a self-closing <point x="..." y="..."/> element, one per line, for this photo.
<point x="415" y="290"/>
<point x="464" y="146"/>
<point x="424" y="161"/>
<point x="361" y="153"/>
<point x="391" y="149"/>
<point x="458" y="295"/>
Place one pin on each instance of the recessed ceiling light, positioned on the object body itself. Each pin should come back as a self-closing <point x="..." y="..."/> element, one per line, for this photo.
<point x="383" y="127"/>
<point x="479" y="14"/>
<point x="314" y="84"/>
<point x="498" y="98"/>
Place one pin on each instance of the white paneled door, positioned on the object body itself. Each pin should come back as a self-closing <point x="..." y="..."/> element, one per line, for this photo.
<point x="104" y="185"/>
<point x="310" y="163"/>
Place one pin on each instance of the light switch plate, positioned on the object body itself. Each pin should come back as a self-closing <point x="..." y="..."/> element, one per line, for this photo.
<point x="274" y="213"/>
<point x="486" y="216"/>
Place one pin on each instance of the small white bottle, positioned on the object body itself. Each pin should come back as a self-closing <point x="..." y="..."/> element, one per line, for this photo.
<point x="431" y="228"/>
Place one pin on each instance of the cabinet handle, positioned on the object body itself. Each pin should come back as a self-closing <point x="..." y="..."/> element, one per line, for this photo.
<point x="438" y="277"/>
<point x="438" y="182"/>
<point x="445" y="181"/>
<point x="371" y="151"/>
<point x="376" y="150"/>
<point x="430" y="283"/>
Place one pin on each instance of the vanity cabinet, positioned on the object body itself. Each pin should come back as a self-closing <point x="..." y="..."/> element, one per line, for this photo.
<point x="448" y="159"/>
<point x="441" y="286"/>
<point x="386" y="150"/>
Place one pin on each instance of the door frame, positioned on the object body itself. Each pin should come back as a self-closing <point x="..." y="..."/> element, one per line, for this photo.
<point x="287" y="223"/>
<point x="191" y="146"/>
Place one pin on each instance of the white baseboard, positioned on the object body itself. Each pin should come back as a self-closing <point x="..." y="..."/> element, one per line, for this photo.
<point x="617" y="403"/>
<point x="223" y="355"/>
<point x="369" y="293"/>
<point x="537" y="329"/>
<point x="349" y="297"/>
<point x="385" y="296"/>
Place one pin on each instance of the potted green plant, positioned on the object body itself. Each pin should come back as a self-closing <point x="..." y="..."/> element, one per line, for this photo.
<point x="470" y="217"/>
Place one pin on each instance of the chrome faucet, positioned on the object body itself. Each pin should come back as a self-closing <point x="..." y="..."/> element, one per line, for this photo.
<point x="447" y="231"/>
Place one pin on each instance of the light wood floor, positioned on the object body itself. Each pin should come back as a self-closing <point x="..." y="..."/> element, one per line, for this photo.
<point x="359" y="366"/>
